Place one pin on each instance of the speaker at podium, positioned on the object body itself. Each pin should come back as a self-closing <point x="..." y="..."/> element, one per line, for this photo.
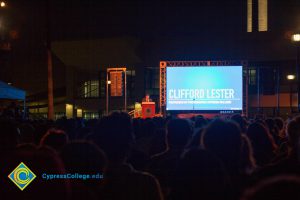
<point x="148" y="109"/>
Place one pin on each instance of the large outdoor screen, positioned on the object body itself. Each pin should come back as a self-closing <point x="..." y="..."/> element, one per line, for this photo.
<point x="204" y="88"/>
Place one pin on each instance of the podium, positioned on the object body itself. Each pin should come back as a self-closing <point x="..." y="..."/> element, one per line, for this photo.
<point x="148" y="109"/>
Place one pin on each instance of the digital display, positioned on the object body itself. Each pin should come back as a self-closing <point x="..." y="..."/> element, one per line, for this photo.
<point x="204" y="88"/>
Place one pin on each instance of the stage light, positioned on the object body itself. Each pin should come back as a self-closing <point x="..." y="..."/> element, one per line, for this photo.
<point x="290" y="77"/>
<point x="296" y="37"/>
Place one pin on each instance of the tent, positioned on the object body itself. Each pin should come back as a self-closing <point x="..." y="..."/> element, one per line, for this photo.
<point x="10" y="92"/>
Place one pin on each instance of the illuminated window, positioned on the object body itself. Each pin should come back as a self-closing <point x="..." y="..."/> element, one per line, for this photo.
<point x="90" y="115"/>
<point x="249" y="15"/>
<point x="262" y="15"/>
<point x="257" y="12"/>
<point x="89" y="89"/>
<point x="252" y="76"/>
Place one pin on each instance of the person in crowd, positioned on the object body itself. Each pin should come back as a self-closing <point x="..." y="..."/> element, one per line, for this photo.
<point x="200" y="175"/>
<point x="263" y="144"/>
<point x="240" y="121"/>
<point x="223" y="138"/>
<point x="248" y="162"/>
<point x="274" y="130"/>
<point x="163" y="164"/>
<point x="281" y="127"/>
<point x="55" y="138"/>
<point x="85" y="158"/>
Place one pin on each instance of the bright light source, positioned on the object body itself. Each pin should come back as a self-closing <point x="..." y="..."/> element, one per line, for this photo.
<point x="2" y="4"/>
<point x="108" y="82"/>
<point x="296" y="37"/>
<point x="290" y="77"/>
<point x="9" y="83"/>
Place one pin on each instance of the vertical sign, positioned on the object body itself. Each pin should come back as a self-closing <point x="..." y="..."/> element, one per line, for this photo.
<point x="116" y="84"/>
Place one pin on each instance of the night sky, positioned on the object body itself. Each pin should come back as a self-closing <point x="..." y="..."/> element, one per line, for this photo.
<point x="185" y="30"/>
<point x="146" y="20"/>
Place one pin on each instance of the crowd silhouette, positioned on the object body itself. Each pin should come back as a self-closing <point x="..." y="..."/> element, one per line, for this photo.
<point x="224" y="158"/>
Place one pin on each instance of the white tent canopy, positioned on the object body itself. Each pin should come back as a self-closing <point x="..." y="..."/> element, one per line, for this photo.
<point x="10" y="92"/>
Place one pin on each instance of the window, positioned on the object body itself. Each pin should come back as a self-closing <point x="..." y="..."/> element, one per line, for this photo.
<point x="152" y="81"/>
<point x="249" y="15"/>
<point x="130" y="83"/>
<point x="257" y="14"/>
<point x="252" y="76"/>
<point x="262" y="15"/>
<point x="90" y="115"/>
<point x="89" y="89"/>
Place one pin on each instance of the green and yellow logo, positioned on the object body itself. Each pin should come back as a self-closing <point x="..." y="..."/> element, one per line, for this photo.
<point x="22" y="176"/>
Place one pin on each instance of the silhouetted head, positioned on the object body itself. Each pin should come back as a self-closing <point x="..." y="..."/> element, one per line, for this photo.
<point x="259" y="135"/>
<point x="55" y="138"/>
<point x="179" y="132"/>
<point x="240" y="121"/>
<point x="272" y="126"/>
<point x="262" y="142"/>
<point x="148" y="128"/>
<point x="85" y="158"/>
<point x="200" y="175"/>
<point x="113" y="134"/>
<point x="200" y="122"/>
<point x="280" y="123"/>
<point x="223" y="138"/>
<point x="293" y="131"/>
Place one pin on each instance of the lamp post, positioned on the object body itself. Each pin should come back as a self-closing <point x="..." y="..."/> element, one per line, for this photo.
<point x="49" y="64"/>
<point x="296" y="40"/>
<point x="108" y="82"/>
<point x="290" y="78"/>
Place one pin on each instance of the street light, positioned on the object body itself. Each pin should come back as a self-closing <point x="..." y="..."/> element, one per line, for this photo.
<point x="290" y="78"/>
<point x="296" y="37"/>
<point x="296" y="40"/>
<point x="2" y="4"/>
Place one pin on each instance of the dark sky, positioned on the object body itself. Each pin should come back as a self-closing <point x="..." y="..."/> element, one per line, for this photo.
<point x="94" y="18"/>
<point x="85" y="19"/>
<point x="172" y="29"/>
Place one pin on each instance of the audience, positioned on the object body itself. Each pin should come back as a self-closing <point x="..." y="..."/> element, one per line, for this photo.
<point x="225" y="158"/>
